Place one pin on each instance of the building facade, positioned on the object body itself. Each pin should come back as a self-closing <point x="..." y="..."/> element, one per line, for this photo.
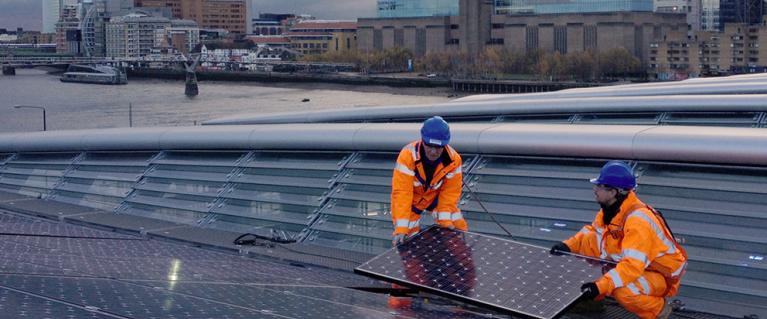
<point x="514" y="7"/>
<point x="477" y="28"/>
<point x="229" y="15"/>
<point x="692" y="8"/>
<point x="173" y="6"/>
<point x="133" y="35"/>
<point x="322" y="36"/>
<point x="740" y="48"/>
<point x="93" y="28"/>
<point x="182" y="36"/>
<point x="68" y="35"/>
<point x="271" y="23"/>
<point x="417" y="8"/>
<point x="716" y="13"/>
<point x="51" y="12"/>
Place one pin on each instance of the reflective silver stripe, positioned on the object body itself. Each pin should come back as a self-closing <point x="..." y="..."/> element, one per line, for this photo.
<point x="602" y="251"/>
<point x="658" y="231"/>
<point x="438" y="185"/>
<point x="636" y="254"/>
<point x="633" y="289"/>
<point x="403" y="169"/>
<point x="616" y="257"/>
<point x="585" y="231"/>
<point x="403" y="222"/>
<point x="443" y="216"/>
<point x="416" y="183"/>
<point x="679" y="270"/>
<point x="645" y="285"/>
<point x="617" y="281"/>
<point x="411" y="148"/>
<point x="414" y="224"/>
<point x="456" y="216"/>
<point x="453" y="173"/>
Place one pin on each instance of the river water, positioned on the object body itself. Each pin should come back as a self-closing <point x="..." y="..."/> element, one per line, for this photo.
<point x="163" y="103"/>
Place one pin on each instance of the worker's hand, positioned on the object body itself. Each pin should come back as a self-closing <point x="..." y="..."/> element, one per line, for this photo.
<point x="589" y="290"/>
<point x="398" y="239"/>
<point x="559" y="248"/>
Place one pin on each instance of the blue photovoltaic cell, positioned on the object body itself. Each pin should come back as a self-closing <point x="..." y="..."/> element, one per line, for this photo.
<point x="496" y="273"/>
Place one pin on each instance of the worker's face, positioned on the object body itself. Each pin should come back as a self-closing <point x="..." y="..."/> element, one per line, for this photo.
<point x="433" y="152"/>
<point x="605" y="195"/>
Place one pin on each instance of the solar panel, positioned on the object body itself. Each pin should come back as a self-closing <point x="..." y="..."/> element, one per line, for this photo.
<point x="499" y="274"/>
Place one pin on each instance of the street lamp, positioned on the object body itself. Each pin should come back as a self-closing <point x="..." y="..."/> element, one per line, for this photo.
<point x="33" y="107"/>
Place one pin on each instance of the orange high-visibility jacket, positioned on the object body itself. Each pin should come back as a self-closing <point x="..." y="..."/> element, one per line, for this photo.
<point x="409" y="197"/>
<point x="638" y="240"/>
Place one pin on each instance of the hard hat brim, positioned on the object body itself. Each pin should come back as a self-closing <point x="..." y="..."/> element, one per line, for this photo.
<point x="434" y="142"/>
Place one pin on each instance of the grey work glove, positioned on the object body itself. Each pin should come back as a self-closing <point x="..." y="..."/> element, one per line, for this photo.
<point x="398" y="239"/>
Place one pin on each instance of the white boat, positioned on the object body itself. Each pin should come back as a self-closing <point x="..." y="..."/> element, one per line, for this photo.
<point x="99" y="74"/>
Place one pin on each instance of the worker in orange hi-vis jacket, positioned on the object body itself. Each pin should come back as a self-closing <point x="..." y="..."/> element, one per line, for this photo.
<point x="427" y="178"/>
<point x="650" y="263"/>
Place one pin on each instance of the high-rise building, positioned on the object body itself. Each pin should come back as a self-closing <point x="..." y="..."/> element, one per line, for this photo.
<point x="173" y="6"/>
<point x="93" y="28"/>
<point x="51" y="12"/>
<point x="417" y="8"/>
<point x="691" y="8"/>
<point x="68" y="35"/>
<point x="718" y="12"/>
<point x="133" y="35"/>
<point x="116" y="7"/>
<point x="513" y="7"/>
<point x="229" y="15"/>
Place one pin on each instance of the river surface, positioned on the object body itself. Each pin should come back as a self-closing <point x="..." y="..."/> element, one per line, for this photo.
<point x="163" y="103"/>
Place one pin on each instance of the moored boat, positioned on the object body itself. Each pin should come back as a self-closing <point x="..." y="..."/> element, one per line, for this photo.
<point x="99" y="74"/>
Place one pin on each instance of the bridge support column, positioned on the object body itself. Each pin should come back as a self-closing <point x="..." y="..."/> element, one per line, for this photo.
<point x="191" y="84"/>
<point x="9" y="70"/>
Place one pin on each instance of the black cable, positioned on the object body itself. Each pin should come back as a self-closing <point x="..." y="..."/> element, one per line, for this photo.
<point x="492" y="216"/>
<point x="241" y="241"/>
<point x="280" y="243"/>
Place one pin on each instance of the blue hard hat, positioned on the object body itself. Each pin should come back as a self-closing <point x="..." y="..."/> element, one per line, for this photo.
<point x="616" y="174"/>
<point x="435" y="131"/>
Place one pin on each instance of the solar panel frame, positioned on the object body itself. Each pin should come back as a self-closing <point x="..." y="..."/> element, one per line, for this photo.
<point x="590" y="270"/>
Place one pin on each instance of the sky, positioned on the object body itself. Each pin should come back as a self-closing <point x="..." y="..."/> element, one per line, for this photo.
<point x="28" y="13"/>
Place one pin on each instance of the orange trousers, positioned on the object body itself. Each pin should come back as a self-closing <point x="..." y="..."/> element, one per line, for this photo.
<point x="644" y="297"/>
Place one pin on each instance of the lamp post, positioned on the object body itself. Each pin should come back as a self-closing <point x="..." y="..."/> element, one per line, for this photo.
<point x="33" y="107"/>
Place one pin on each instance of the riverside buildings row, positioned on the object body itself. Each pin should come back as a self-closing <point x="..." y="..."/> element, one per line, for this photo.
<point x="728" y="32"/>
<point x="93" y="28"/>
<point x="667" y="36"/>
<point x="134" y="28"/>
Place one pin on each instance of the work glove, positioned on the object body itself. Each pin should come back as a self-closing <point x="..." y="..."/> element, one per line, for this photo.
<point x="559" y="248"/>
<point x="589" y="291"/>
<point x="398" y="239"/>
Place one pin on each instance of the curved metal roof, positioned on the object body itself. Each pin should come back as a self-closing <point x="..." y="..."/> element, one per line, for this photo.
<point x="722" y="145"/>
<point x="569" y="105"/>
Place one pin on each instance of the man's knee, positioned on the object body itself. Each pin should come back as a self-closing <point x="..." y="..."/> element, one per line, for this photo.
<point x="640" y="304"/>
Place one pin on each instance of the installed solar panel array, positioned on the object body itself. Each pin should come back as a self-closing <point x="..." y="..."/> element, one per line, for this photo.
<point x="341" y="200"/>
